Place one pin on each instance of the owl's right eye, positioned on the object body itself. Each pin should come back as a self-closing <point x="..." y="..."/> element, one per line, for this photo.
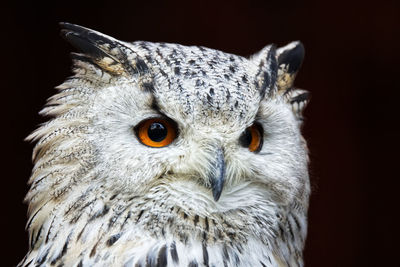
<point x="156" y="132"/>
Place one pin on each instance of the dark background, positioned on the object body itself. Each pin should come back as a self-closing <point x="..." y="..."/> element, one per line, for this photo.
<point x="351" y="68"/>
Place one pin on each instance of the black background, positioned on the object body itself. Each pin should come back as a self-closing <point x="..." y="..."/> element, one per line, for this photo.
<point x="351" y="68"/>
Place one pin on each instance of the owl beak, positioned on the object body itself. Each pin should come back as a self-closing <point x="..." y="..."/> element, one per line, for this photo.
<point x="217" y="174"/>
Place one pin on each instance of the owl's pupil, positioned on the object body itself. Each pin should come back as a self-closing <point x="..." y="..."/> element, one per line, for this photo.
<point x="245" y="138"/>
<point x="157" y="132"/>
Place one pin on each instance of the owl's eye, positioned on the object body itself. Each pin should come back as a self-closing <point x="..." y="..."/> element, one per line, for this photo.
<point x="252" y="138"/>
<point x="156" y="132"/>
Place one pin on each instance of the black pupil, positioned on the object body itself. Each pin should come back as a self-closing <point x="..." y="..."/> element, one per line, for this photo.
<point x="157" y="132"/>
<point x="245" y="138"/>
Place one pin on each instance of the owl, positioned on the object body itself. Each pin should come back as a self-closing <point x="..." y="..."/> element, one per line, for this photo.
<point x="160" y="154"/>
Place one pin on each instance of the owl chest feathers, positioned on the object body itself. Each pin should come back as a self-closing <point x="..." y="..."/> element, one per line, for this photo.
<point x="143" y="231"/>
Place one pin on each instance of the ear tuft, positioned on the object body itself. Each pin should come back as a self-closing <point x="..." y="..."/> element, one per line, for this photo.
<point x="107" y="52"/>
<point x="83" y="39"/>
<point x="290" y="58"/>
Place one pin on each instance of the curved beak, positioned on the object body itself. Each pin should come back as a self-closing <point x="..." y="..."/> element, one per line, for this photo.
<point x="217" y="174"/>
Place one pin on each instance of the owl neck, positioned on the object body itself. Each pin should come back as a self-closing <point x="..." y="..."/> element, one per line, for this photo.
<point x="140" y="229"/>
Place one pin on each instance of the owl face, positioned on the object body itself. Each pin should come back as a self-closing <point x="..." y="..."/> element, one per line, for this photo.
<point x="214" y="132"/>
<point x="212" y="100"/>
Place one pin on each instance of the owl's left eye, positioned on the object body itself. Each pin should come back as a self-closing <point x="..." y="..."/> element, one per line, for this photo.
<point x="156" y="132"/>
<point x="252" y="138"/>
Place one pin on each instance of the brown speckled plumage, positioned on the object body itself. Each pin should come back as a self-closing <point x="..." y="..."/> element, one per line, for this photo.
<point x="99" y="197"/>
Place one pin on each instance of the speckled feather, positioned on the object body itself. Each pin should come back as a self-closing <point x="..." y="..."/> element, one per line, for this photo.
<point x="100" y="197"/>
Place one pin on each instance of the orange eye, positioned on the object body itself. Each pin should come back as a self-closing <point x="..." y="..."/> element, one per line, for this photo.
<point x="156" y="132"/>
<point x="252" y="138"/>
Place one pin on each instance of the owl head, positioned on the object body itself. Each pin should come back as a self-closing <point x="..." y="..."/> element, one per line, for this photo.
<point x="215" y="132"/>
